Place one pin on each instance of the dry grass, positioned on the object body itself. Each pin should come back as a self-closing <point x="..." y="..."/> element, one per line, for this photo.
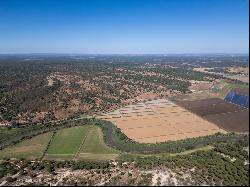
<point x="159" y="121"/>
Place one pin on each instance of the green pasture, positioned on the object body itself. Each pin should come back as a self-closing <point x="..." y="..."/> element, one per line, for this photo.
<point x="68" y="141"/>
<point x="29" y="148"/>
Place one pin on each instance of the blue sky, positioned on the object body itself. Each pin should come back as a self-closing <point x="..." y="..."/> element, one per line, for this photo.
<point x="124" y="26"/>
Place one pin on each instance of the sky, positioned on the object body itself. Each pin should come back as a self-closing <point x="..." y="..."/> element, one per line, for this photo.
<point x="124" y="26"/>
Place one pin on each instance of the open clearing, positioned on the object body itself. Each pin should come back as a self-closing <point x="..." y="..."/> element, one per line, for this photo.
<point x="83" y="142"/>
<point x="226" y="115"/>
<point x="158" y="121"/>
<point x="94" y="146"/>
<point x="67" y="141"/>
<point x="30" y="148"/>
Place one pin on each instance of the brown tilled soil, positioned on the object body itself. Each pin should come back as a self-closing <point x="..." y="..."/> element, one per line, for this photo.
<point x="225" y="115"/>
<point x="209" y="106"/>
<point x="233" y="122"/>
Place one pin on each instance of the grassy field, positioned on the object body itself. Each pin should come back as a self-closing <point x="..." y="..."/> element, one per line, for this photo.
<point x="68" y="141"/>
<point x="8" y="132"/>
<point x="30" y="148"/>
<point x="78" y="143"/>
<point x="95" y="148"/>
<point x="84" y="142"/>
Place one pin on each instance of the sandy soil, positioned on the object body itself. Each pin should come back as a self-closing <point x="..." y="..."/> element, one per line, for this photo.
<point x="158" y="121"/>
<point x="50" y="82"/>
<point x="242" y="70"/>
<point x="200" y="85"/>
<point x="243" y="73"/>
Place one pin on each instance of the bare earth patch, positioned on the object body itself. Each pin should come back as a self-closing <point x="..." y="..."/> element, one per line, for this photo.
<point x="158" y="121"/>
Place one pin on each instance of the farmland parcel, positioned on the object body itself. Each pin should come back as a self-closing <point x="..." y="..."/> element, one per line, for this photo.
<point x="158" y="121"/>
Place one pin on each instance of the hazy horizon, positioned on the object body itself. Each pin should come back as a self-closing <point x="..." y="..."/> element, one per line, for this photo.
<point x="124" y="27"/>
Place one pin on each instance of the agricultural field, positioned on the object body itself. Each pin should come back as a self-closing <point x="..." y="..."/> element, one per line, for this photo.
<point x="81" y="142"/>
<point x="158" y="121"/>
<point x="233" y="122"/>
<point x="106" y="120"/>
<point x="222" y="113"/>
<point x="29" y="148"/>
<point x="67" y="141"/>
<point x="95" y="148"/>
<point x="84" y="142"/>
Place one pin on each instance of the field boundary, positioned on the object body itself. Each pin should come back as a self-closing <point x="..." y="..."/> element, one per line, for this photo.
<point x="114" y="138"/>
<point x="82" y="144"/>
<point x="47" y="147"/>
<point x="118" y="140"/>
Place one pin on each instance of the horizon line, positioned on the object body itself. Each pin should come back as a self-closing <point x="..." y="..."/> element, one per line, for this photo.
<point x="65" y="53"/>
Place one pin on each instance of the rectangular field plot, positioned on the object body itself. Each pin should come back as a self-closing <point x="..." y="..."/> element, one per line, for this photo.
<point x="148" y="132"/>
<point x="223" y="114"/>
<point x="191" y="127"/>
<point x="29" y="149"/>
<point x="94" y="143"/>
<point x="161" y="138"/>
<point x="182" y="119"/>
<point x="215" y="109"/>
<point x="139" y="122"/>
<point x="161" y="120"/>
<point x="94" y="148"/>
<point x="67" y="141"/>
<point x="209" y="106"/>
<point x="233" y="122"/>
<point x="83" y="142"/>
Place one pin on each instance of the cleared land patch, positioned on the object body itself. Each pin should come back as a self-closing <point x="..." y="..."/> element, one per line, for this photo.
<point x="67" y="141"/>
<point x="227" y="116"/>
<point x="83" y="142"/>
<point x="233" y="122"/>
<point x="30" y="148"/>
<point x="94" y="146"/>
<point x="158" y="121"/>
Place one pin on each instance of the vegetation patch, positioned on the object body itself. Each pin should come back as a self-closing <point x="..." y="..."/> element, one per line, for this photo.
<point x="94" y="143"/>
<point x="16" y="133"/>
<point x="30" y="148"/>
<point x="67" y="141"/>
<point x="70" y="142"/>
<point x="116" y="139"/>
<point x="224" y="165"/>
